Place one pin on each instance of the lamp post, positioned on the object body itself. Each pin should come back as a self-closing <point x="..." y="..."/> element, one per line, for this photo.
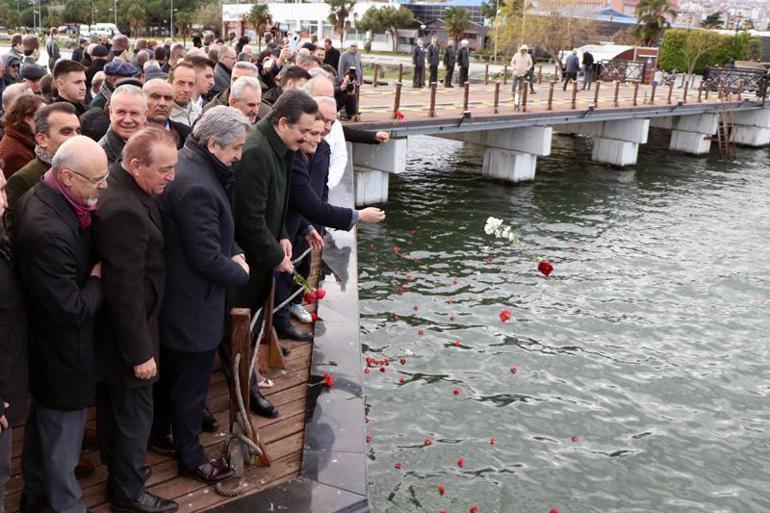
<point x="523" y="20"/>
<point x="171" y="22"/>
<point x="115" y="12"/>
<point x="497" y="29"/>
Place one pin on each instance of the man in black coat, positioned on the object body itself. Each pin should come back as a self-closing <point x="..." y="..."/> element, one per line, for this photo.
<point x="332" y="57"/>
<point x="418" y="59"/>
<point x="433" y="59"/>
<point x="464" y="61"/>
<point x="54" y="255"/>
<point x="13" y="350"/>
<point x="450" y="57"/>
<point x="203" y="261"/>
<point x="129" y="241"/>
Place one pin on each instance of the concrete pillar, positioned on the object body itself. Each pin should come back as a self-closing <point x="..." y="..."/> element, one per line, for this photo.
<point x="752" y="128"/>
<point x="615" y="142"/>
<point x="373" y="163"/>
<point x="692" y="134"/>
<point x="511" y="153"/>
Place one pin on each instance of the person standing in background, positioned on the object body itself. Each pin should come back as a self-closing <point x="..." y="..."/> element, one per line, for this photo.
<point x="450" y="58"/>
<point x="434" y="57"/>
<point x="464" y="61"/>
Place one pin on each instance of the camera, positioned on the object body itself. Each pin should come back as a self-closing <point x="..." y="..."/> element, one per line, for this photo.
<point x="352" y="78"/>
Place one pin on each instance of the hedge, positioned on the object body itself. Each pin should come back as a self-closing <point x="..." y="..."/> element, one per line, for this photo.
<point x="721" y="48"/>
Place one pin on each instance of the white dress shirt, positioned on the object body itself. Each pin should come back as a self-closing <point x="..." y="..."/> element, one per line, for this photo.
<point x="339" y="155"/>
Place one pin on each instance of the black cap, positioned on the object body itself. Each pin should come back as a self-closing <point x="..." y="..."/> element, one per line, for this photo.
<point x="33" y="72"/>
<point x="99" y="51"/>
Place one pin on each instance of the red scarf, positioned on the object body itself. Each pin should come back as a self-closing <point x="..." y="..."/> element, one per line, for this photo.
<point x="81" y="210"/>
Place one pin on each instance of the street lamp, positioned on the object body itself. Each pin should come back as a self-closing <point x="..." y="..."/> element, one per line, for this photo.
<point x="171" y="23"/>
<point x="115" y="12"/>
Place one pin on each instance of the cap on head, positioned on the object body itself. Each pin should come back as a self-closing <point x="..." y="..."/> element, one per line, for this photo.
<point x="99" y="51"/>
<point x="33" y="72"/>
<point x="120" y="69"/>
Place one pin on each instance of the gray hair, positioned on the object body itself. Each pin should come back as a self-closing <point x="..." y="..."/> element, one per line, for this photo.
<point x="319" y="72"/>
<point x="325" y="99"/>
<point x="129" y="90"/>
<point x="150" y="64"/>
<point x="238" y="88"/>
<point x="310" y="85"/>
<point x="243" y="65"/>
<point x="221" y="124"/>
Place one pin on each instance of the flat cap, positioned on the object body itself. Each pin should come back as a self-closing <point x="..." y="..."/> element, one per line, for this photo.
<point x="121" y="69"/>
<point x="33" y="72"/>
<point x="99" y="51"/>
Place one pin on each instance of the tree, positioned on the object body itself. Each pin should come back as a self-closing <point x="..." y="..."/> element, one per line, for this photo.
<point x="387" y="19"/>
<point x="489" y="9"/>
<point x="137" y="17"/>
<point x="653" y="16"/>
<point x="260" y="19"/>
<point x="339" y="12"/>
<point x="713" y="20"/>
<point x="209" y="15"/>
<point x="694" y="49"/>
<point x="456" y="22"/>
<point x="183" y="21"/>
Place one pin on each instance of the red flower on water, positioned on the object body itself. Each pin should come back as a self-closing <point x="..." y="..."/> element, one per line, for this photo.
<point x="320" y="293"/>
<point x="458" y="343"/>
<point x="397" y="465"/>
<point x="441" y="490"/>
<point x="492" y="441"/>
<point x="368" y="439"/>
<point x="395" y="317"/>
<point x="554" y="510"/>
<point x="545" y="267"/>
<point x="574" y="438"/>
<point x="421" y="332"/>
<point x="366" y="370"/>
<point x="456" y="391"/>
<point x="461" y="463"/>
<point x="328" y="380"/>
<point x="366" y="419"/>
<point x="455" y="281"/>
<point x="403" y="361"/>
<point x="489" y="259"/>
<point x="382" y="369"/>
<point x="401" y="380"/>
<point x="395" y="250"/>
<point x="399" y="114"/>
<point x="427" y="442"/>
<point x="474" y="509"/>
<point x="505" y="315"/>
<point x="415" y="308"/>
<point x="309" y="297"/>
<point x="451" y="317"/>
<point x="514" y="369"/>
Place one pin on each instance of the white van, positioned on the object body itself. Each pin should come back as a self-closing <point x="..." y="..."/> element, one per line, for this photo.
<point x="106" y="28"/>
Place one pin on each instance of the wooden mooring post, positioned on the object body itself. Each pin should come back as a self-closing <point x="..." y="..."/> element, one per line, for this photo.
<point x="596" y="94"/>
<point x="466" y="96"/>
<point x="574" y="95"/>
<point x="652" y="93"/>
<point x="708" y="89"/>
<point x="400" y="73"/>
<point x="397" y="100"/>
<point x="524" y="94"/>
<point x="432" y="110"/>
<point x="670" y="92"/>
<point x="616" y="101"/>
<point x="540" y="74"/>
<point x="700" y="92"/>
<point x="486" y="74"/>
<point x="550" y="95"/>
<point x="686" y="90"/>
<point x="636" y="94"/>
<point x="376" y="75"/>
<point x="505" y="74"/>
<point x="497" y="96"/>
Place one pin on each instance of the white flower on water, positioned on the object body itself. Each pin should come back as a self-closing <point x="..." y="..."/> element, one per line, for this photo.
<point x="500" y="230"/>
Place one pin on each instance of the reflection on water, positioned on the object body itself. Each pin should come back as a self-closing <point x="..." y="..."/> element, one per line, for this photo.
<point x="649" y="343"/>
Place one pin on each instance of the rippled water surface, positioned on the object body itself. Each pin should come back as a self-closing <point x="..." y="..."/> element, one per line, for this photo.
<point x="649" y="342"/>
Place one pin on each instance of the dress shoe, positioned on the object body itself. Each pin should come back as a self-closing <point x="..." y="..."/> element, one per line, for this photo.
<point x="210" y="472"/>
<point x="84" y="468"/>
<point x="208" y="423"/>
<point x="299" y="313"/>
<point x="293" y="333"/>
<point x="146" y="472"/>
<point x="162" y="444"/>
<point x="262" y="406"/>
<point x="147" y="503"/>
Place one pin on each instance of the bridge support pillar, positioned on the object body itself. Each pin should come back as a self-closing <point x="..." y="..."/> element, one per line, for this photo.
<point x="511" y="153"/>
<point x="615" y="142"/>
<point x="373" y="163"/>
<point x="692" y="134"/>
<point x="752" y="128"/>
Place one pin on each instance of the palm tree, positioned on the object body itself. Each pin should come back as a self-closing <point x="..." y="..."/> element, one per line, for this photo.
<point x="456" y="22"/>
<point x="339" y="12"/>
<point x="653" y="16"/>
<point x="260" y="18"/>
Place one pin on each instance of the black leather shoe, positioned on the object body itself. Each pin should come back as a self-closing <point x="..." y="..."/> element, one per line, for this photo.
<point x="146" y="472"/>
<point x="162" y="444"/>
<point x="147" y="503"/>
<point x="294" y="334"/>
<point x="208" y="423"/>
<point x="210" y="472"/>
<point x="262" y="406"/>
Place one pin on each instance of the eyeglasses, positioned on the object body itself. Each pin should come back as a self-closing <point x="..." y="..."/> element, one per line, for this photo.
<point x="94" y="181"/>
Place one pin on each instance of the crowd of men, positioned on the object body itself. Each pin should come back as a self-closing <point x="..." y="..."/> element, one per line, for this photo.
<point x="145" y="189"/>
<point x="432" y="56"/>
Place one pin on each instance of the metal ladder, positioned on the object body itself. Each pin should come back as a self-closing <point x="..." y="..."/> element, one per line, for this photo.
<point x="725" y="130"/>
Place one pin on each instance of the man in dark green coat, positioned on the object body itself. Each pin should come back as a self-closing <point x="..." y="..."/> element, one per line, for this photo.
<point x="261" y="201"/>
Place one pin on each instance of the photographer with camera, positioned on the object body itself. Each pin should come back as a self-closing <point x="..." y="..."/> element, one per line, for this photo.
<point x="345" y="93"/>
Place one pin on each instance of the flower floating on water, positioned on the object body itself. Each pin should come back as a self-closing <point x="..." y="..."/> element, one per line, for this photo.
<point x="415" y="308"/>
<point x="397" y="465"/>
<point x="554" y="510"/>
<point x="514" y="369"/>
<point x="441" y="490"/>
<point x="395" y="317"/>
<point x="505" y="315"/>
<point x="421" y="332"/>
<point x="492" y="441"/>
<point x="366" y="370"/>
<point x="458" y="343"/>
<point x="427" y="442"/>
<point x="402" y="361"/>
<point x="372" y="245"/>
<point x="382" y="369"/>
<point x="474" y="509"/>
<point x="368" y="439"/>
<point x="545" y="267"/>
<point x="499" y="229"/>
<point x="574" y="438"/>
<point x="395" y="250"/>
<point x="456" y="391"/>
<point x="401" y="379"/>
<point x="328" y="380"/>
<point x="460" y="462"/>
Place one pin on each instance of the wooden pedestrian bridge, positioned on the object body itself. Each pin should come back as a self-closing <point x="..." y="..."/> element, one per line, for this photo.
<point x="616" y="116"/>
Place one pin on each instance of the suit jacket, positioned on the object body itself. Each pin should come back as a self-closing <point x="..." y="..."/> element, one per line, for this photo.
<point x="261" y="200"/>
<point x="129" y="242"/>
<point x="418" y="57"/>
<point x="13" y="340"/>
<point x="54" y="258"/>
<point x="332" y="58"/>
<point x="199" y="233"/>
<point x="18" y="184"/>
<point x="221" y="78"/>
<point x="182" y="132"/>
<point x="450" y="56"/>
<point x="308" y="199"/>
<point x="464" y="58"/>
<point x="433" y="55"/>
<point x="112" y="145"/>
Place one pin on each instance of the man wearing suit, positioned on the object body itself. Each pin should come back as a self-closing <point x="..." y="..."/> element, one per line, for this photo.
<point x="203" y="261"/>
<point x="129" y="240"/>
<point x="464" y="61"/>
<point x="450" y="57"/>
<point x="261" y="200"/>
<point x="54" y="257"/>
<point x="418" y="59"/>
<point x="433" y="60"/>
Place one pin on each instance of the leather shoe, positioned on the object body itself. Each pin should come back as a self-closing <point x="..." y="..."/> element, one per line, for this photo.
<point x="146" y="472"/>
<point x="208" y="423"/>
<point x="210" y="472"/>
<point x="84" y="468"/>
<point x="262" y="406"/>
<point x="294" y="334"/>
<point x="147" y="503"/>
<point x="162" y="444"/>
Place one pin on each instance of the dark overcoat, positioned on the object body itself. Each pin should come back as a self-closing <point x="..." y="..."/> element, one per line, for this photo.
<point x="13" y="341"/>
<point x="129" y="242"/>
<point x="199" y="233"/>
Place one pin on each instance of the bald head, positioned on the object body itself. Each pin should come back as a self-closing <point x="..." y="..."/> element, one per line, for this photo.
<point x="160" y="99"/>
<point x="13" y="91"/>
<point x="80" y="165"/>
<point x="319" y="86"/>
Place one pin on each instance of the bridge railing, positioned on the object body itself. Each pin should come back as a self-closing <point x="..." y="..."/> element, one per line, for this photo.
<point x="735" y="78"/>
<point x="621" y="71"/>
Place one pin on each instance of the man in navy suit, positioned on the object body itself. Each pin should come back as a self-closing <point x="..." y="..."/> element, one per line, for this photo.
<point x="203" y="261"/>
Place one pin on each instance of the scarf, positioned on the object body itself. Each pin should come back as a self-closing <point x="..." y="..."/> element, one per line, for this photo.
<point x="81" y="210"/>
<point x="42" y="155"/>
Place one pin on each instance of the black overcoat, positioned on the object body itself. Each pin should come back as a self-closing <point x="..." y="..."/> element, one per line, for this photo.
<point x="13" y="340"/>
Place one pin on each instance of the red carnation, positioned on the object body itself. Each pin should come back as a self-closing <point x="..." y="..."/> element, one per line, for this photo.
<point x="401" y="379"/>
<point x="461" y="463"/>
<point x="314" y="317"/>
<point x="395" y="250"/>
<point x="458" y="343"/>
<point x="574" y="438"/>
<point x="310" y="297"/>
<point x="554" y="510"/>
<point x="320" y="293"/>
<point x="415" y="308"/>
<point x="441" y="490"/>
<point x="403" y="361"/>
<point x="395" y="317"/>
<point x="368" y="438"/>
<point x="399" y="115"/>
<point x="505" y="315"/>
<point x="421" y="332"/>
<point x="456" y="391"/>
<point x="371" y="245"/>
<point x="545" y="267"/>
<point x="382" y="369"/>
<point x="514" y="370"/>
<point x="397" y="465"/>
<point x="427" y="442"/>
<point x="451" y="317"/>
<point x="328" y="380"/>
<point x="492" y="441"/>
<point x="474" y="509"/>
<point x="455" y="281"/>
<point x="366" y="370"/>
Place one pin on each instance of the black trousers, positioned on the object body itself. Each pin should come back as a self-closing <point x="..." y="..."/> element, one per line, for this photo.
<point x="181" y="394"/>
<point x="433" y="75"/>
<point x="419" y="77"/>
<point x="463" y="76"/>
<point x="569" y="75"/>
<point x="448" y="77"/>
<point x="123" y="422"/>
